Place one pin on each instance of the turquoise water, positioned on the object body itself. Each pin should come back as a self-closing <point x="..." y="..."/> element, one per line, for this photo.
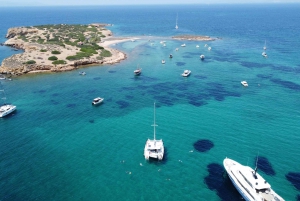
<point x="57" y="146"/>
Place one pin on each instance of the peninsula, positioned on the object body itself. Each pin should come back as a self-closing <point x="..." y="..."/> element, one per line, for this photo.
<point x="62" y="47"/>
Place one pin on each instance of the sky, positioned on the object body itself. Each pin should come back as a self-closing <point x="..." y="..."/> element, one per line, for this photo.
<point x="130" y="2"/>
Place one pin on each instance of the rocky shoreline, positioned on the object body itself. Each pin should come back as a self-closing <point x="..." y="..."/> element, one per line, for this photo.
<point x="41" y="53"/>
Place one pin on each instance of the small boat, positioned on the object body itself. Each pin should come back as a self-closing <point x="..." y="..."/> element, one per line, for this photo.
<point x="202" y="57"/>
<point x="244" y="83"/>
<point x="183" y="45"/>
<point x="82" y="73"/>
<point x="164" y="45"/>
<point x="177" y="49"/>
<point x="264" y="54"/>
<point x="197" y="46"/>
<point x="138" y="71"/>
<point x="205" y="45"/>
<point x="209" y="48"/>
<point x="171" y="56"/>
<point x="249" y="183"/>
<point x="154" y="148"/>
<point x="186" y="73"/>
<point x="163" y="61"/>
<point x="2" y="78"/>
<point x="6" y="109"/>
<point x="97" y="101"/>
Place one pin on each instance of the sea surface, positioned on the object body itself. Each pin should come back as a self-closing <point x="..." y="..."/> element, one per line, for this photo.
<point x="57" y="146"/>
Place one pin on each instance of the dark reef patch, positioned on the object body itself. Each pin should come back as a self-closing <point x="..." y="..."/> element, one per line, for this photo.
<point x="298" y="197"/>
<point x="96" y="78"/>
<point x="294" y="178"/>
<point x="197" y="103"/>
<point x="264" y="76"/>
<point x="123" y="104"/>
<point x="129" y="97"/>
<point x="112" y="71"/>
<point x="252" y="64"/>
<point x="92" y="121"/>
<point x="218" y="181"/>
<point x="201" y="77"/>
<point x="180" y="63"/>
<point x="203" y="145"/>
<point x="55" y="94"/>
<point x="264" y="165"/>
<point x="54" y="102"/>
<point x="287" y="84"/>
<point x="71" y="105"/>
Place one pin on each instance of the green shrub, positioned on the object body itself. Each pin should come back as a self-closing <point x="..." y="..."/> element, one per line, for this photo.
<point x="43" y="50"/>
<point x="55" y="52"/>
<point x="52" y="58"/>
<point x="105" y="53"/>
<point x="30" y="62"/>
<point x="59" y="62"/>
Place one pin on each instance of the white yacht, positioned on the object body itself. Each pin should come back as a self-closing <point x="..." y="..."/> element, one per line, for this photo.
<point x="97" y="101"/>
<point x="183" y="45"/>
<point x="154" y="148"/>
<point x="244" y="83"/>
<point x="177" y="49"/>
<point x="6" y="109"/>
<point x="138" y="71"/>
<point x="202" y="57"/>
<point x="264" y="54"/>
<point x="197" y="46"/>
<point x="186" y="73"/>
<point x="209" y="48"/>
<point x="249" y="183"/>
<point x="82" y="73"/>
<point x="163" y="61"/>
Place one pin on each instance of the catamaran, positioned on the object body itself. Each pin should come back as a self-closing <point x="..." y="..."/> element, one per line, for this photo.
<point x="6" y="109"/>
<point x="249" y="183"/>
<point x="154" y="148"/>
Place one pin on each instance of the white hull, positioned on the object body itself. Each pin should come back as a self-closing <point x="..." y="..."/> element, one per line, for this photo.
<point x="249" y="183"/>
<point x="6" y="110"/>
<point x="97" y="101"/>
<point x="154" y="149"/>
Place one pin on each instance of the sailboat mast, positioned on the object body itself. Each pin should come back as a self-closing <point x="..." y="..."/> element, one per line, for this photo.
<point x="154" y="125"/>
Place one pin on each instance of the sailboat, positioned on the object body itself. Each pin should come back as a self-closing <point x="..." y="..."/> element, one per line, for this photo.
<point x="6" y="109"/>
<point x="154" y="148"/>
<point x="176" y="27"/>
<point x="265" y="47"/>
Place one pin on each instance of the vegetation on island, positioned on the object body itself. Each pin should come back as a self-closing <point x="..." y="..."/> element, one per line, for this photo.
<point x="83" y="37"/>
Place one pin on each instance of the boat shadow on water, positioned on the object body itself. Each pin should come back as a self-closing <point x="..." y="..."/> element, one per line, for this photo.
<point x="218" y="181"/>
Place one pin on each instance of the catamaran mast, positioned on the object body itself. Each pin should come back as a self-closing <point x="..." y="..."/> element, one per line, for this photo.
<point x="154" y="125"/>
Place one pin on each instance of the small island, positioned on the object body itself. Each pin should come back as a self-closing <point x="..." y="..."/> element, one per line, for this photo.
<point x="191" y="37"/>
<point x="62" y="47"/>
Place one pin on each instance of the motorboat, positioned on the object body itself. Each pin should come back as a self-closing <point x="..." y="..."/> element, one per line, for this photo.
<point x="163" y="61"/>
<point x="202" y="57"/>
<point x="177" y="49"/>
<point x="197" y="46"/>
<point x="97" y="101"/>
<point x="137" y="71"/>
<point x="154" y="148"/>
<point x="6" y="109"/>
<point x="209" y="48"/>
<point x="244" y="83"/>
<point x="171" y="56"/>
<point x="164" y="45"/>
<point x="186" y="73"/>
<point x="264" y="54"/>
<point x="249" y="183"/>
<point x="183" y="45"/>
<point x="82" y="73"/>
<point x="205" y="45"/>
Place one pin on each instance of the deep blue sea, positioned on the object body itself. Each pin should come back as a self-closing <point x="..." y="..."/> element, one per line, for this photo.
<point x="57" y="146"/>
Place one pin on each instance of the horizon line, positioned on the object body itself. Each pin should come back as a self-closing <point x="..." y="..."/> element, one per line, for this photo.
<point x="182" y="4"/>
